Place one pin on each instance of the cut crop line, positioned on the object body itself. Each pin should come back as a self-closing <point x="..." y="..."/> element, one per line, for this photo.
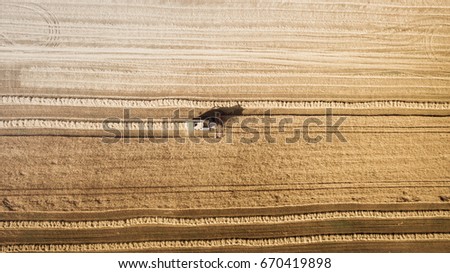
<point x="87" y="125"/>
<point x="244" y="220"/>
<point x="192" y="103"/>
<point x="267" y="242"/>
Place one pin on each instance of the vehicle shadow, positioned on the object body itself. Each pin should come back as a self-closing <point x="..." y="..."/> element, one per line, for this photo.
<point x="222" y="114"/>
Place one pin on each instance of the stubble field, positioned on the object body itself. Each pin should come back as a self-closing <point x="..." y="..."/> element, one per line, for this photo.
<point x="382" y="67"/>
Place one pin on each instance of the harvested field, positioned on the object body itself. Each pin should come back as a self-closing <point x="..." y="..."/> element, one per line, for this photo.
<point x="336" y="134"/>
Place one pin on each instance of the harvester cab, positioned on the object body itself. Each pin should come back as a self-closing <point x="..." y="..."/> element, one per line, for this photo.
<point x="212" y="124"/>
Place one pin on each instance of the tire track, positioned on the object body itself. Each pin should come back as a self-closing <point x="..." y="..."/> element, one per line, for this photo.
<point x="233" y="188"/>
<point x="51" y="22"/>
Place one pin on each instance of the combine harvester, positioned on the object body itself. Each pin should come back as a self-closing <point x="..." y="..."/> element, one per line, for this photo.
<point x="212" y="123"/>
<point x="205" y="126"/>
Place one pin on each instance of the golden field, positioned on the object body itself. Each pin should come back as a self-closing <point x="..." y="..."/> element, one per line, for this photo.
<point x="382" y="66"/>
